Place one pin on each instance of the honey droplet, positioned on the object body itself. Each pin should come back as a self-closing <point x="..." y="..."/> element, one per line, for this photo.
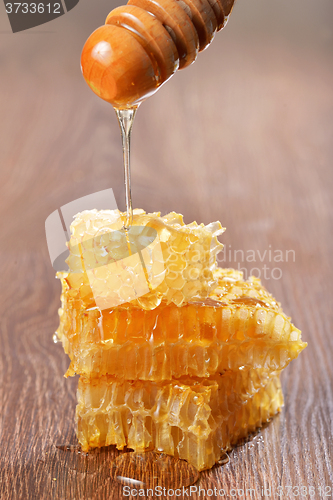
<point x="55" y="338"/>
<point x="148" y="470"/>
<point x="224" y="459"/>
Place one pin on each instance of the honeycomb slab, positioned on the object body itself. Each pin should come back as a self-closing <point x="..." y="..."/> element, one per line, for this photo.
<point x="159" y="258"/>
<point x="193" y="419"/>
<point x="241" y="324"/>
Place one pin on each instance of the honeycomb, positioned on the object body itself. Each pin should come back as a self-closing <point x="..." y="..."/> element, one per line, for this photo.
<point x="174" y="354"/>
<point x="159" y="258"/>
<point x="240" y="325"/>
<point x="193" y="419"/>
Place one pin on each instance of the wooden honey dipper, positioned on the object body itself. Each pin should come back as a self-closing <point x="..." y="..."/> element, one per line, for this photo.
<point x="143" y="43"/>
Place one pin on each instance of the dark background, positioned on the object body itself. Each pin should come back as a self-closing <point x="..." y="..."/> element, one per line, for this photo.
<point x="243" y="136"/>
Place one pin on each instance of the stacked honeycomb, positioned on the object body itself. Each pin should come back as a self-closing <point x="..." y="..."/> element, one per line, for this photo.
<point x="186" y="368"/>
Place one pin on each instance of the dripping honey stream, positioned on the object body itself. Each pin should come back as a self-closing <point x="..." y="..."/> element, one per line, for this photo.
<point x="125" y="120"/>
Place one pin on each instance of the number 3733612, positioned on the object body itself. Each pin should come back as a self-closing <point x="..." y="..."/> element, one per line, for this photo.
<point x="33" y="8"/>
<point x="304" y="491"/>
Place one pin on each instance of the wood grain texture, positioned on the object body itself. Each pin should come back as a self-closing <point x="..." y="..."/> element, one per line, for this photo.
<point x="243" y="136"/>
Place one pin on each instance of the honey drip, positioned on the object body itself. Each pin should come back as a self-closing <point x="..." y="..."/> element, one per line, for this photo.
<point x="125" y="119"/>
<point x="70" y="456"/>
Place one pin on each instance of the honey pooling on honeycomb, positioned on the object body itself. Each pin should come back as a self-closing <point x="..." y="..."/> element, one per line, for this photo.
<point x="174" y="354"/>
<point x="178" y="261"/>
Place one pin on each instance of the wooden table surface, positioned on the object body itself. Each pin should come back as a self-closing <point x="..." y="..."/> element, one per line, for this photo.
<point x="244" y="136"/>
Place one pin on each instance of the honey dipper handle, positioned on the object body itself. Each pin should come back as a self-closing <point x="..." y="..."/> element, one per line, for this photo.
<point x="144" y="42"/>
